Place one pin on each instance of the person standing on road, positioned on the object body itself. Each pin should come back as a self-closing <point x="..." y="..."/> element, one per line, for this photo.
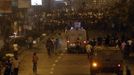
<point x="8" y="67"/>
<point x="130" y="42"/>
<point x="15" y="66"/>
<point x="89" y="50"/>
<point x="56" y="44"/>
<point x="128" y="71"/>
<point x="49" y="46"/>
<point x="35" y="61"/>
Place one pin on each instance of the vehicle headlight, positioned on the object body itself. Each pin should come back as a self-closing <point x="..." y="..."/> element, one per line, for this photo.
<point x="94" y="64"/>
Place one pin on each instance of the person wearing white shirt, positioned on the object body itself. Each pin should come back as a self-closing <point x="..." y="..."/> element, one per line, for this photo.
<point x="130" y="42"/>
<point x="89" y="50"/>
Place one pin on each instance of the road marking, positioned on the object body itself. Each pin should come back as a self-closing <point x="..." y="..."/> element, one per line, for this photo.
<point x="66" y="48"/>
<point x="52" y="68"/>
<point x="51" y="72"/>
<point x="61" y="54"/>
<point x="54" y="64"/>
<point x="56" y="61"/>
<point x="59" y="57"/>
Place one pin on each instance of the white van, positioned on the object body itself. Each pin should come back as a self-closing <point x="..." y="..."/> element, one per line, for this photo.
<point x="76" y="40"/>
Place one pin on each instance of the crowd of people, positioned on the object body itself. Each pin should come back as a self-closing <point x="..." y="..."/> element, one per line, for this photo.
<point x="126" y="45"/>
<point x="10" y="66"/>
<point x="53" y="45"/>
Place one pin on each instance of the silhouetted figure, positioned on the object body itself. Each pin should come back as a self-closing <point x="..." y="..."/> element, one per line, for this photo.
<point x="89" y="50"/>
<point x="128" y="71"/>
<point x="8" y="68"/>
<point x="49" y="46"/>
<point x="15" y="66"/>
<point x="35" y="62"/>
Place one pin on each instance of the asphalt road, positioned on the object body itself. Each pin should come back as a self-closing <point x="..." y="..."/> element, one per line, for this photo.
<point x="72" y="64"/>
<point x="130" y="64"/>
<point x="62" y="64"/>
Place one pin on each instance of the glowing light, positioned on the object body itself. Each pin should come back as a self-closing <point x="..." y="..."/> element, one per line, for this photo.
<point x="119" y="65"/>
<point x="94" y="64"/>
<point x="36" y="2"/>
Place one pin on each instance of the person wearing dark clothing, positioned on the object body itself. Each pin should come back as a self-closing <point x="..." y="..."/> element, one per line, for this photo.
<point x="49" y="46"/>
<point x="93" y="43"/>
<point x="78" y="46"/>
<point x="35" y="63"/>
<point x="57" y="45"/>
<point x="128" y="71"/>
<point x="99" y="40"/>
<point x="15" y="66"/>
<point x="8" y="68"/>
<point x="126" y="51"/>
<point x="107" y="40"/>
